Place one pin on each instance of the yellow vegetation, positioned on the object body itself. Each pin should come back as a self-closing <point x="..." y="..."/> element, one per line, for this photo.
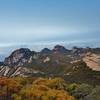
<point x="41" y="89"/>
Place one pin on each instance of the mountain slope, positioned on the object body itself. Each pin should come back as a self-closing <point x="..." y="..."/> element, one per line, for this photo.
<point x="59" y="61"/>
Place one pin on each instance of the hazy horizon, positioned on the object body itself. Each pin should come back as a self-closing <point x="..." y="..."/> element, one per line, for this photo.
<point x="7" y="49"/>
<point x="40" y="23"/>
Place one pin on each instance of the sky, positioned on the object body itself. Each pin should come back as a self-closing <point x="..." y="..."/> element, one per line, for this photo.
<point x="25" y="22"/>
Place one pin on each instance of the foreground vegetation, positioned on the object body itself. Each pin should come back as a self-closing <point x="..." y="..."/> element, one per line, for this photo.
<point x="19" y="88"/>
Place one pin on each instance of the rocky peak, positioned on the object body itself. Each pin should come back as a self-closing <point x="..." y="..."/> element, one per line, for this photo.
<point x="23" y="52"/>
<point x="60" y="49"/>
<point x="18" y="56"/>
<point x="45" y="51"/>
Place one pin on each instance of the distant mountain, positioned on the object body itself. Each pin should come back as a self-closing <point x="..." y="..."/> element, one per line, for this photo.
<point x="46" y="51"/>
<point x="24" y="55"/>
<point x="70" y="64"/>
<point x="57" y="55"/>
<point x="60" y="49"/>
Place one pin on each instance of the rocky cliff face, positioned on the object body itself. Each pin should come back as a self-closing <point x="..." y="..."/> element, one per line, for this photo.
<point x="56" y="60"/>
<point x="59" y="54"/>
<point x="18" y="71"/>
<point x="93" y="61"/>
<point x="19" y="57"/>
<point x="23" y="56"/>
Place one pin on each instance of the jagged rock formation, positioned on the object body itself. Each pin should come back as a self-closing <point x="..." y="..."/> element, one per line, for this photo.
<point x="58" y="61"/>
<point x="18" y="71"/>
<point x="60" y="49"/>
<point x="19" y="57"/>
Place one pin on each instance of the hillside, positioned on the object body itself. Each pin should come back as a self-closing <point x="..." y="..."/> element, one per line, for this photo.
<point x="75" y="65"/>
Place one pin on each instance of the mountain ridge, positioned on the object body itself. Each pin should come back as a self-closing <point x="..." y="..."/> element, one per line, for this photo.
<point x="59" y="61"/>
